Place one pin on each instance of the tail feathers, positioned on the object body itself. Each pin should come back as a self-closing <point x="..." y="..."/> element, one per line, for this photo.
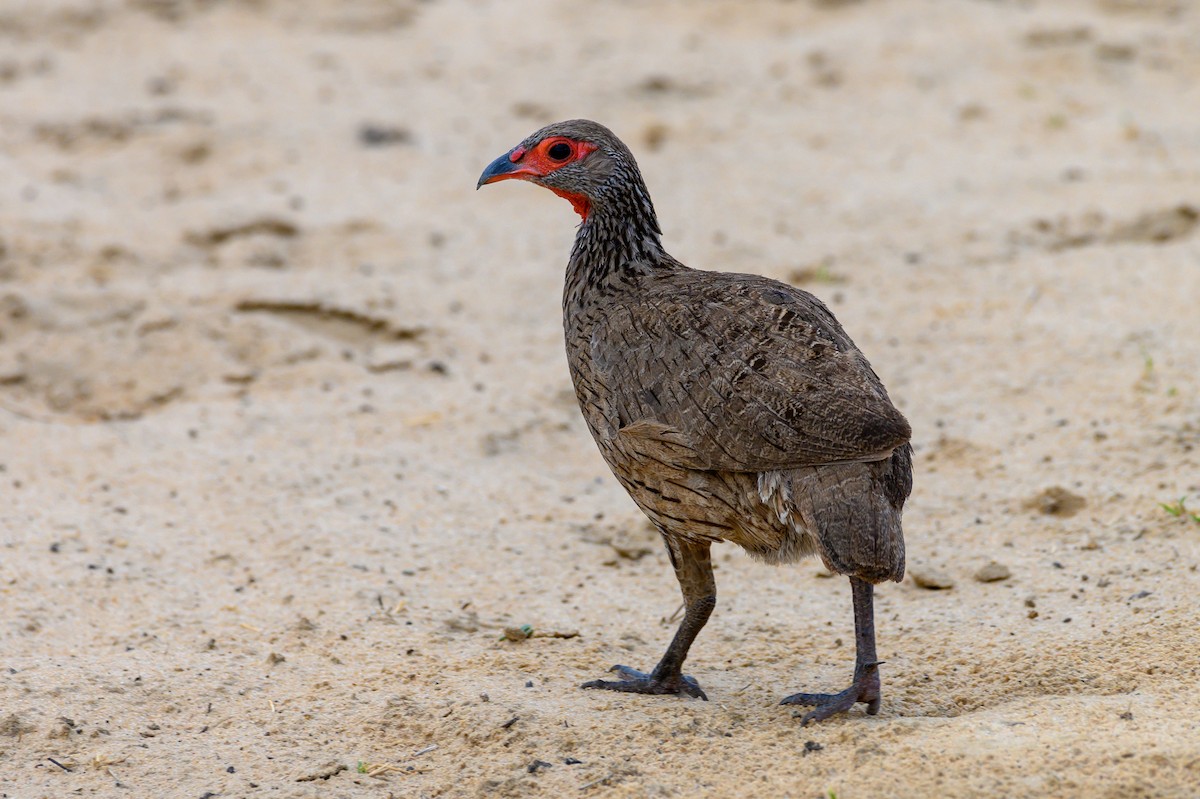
<point x="854" y="510"/>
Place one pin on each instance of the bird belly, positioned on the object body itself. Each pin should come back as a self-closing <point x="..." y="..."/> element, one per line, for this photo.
<point x="708" y="505"/>
<point x="841" y="513"/>
<point x="695" y="504"/>
<point x="848" y="514"/>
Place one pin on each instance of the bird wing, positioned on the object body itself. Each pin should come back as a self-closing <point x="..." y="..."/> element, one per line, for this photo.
<point x="740" y="373"/>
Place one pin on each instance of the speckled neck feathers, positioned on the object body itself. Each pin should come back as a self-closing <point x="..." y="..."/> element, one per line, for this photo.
<point x="619" y="241"/>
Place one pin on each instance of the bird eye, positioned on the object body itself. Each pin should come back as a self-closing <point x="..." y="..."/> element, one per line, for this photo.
<point x="559" y="151"/>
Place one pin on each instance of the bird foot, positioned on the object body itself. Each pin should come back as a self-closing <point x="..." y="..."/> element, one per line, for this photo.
<point x="638" y="682"/>
<point x="865" y="689"/>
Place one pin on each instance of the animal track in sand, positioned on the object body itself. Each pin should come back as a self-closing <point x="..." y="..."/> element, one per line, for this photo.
<point x="341" y="324"/>
<point x="1159" y="226"/>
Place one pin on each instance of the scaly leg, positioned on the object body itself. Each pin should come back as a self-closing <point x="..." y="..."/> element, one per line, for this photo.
<point x="693" y="568"/>
<point x="865" y="687"/>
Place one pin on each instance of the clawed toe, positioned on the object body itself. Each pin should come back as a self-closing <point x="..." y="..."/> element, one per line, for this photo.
<point x="826" y="705"/>
<point x="864" y="689"/>
<point x="637" y="682"/>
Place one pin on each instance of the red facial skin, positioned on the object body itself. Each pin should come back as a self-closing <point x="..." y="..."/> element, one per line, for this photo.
<point x="538" y="163"/>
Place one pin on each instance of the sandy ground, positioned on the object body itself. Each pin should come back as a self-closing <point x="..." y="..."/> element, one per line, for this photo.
<point x="287" y="440"/>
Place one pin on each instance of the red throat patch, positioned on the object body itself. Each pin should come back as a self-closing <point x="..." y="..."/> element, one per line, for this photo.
<point x="579" y="202"/>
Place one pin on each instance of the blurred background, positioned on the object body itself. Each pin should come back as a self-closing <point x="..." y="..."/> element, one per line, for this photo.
<point x="287" y="438"/>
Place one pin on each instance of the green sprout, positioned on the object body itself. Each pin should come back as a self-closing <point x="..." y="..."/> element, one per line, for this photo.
<point x="1180" y="509"/>
<point x="517" y="633"/>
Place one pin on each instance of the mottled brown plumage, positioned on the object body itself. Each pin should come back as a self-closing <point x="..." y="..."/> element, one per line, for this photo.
<point x="731" y="407"/>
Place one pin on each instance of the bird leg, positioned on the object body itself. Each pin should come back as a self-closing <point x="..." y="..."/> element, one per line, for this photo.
<point x="865" y="687"/>
<point x="693" y="568"/>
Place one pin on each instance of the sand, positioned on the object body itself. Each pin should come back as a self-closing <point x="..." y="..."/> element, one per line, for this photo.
<point x="287" y="439"/>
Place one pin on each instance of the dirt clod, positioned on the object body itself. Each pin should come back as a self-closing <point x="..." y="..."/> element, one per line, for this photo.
<point x="1056" y="501"/>
<point x="992" y="572"/>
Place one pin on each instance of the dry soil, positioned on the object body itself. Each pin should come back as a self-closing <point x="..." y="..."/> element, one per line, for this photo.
<point x="287" y="441"/>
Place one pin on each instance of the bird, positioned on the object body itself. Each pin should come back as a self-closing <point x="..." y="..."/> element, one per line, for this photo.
<point x="731" y="407"/>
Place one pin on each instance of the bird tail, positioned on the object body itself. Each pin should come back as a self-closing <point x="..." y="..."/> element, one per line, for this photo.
<point x="854" y="512"/>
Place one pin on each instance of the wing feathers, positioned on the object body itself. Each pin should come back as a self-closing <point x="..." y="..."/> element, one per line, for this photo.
<point x="741" y="373"/>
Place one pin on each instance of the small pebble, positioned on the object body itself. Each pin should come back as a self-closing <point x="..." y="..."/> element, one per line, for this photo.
<point x="931" y="578"/>
<point x="993" y="572"/>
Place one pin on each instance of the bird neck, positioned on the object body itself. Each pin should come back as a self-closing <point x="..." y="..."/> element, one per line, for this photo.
<point x="617" y="244"/>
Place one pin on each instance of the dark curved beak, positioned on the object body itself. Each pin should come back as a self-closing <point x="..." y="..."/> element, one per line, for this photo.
<point x="501" y="169"/>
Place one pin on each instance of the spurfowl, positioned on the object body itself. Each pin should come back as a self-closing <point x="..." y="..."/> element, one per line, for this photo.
<point x="730" y="407"/>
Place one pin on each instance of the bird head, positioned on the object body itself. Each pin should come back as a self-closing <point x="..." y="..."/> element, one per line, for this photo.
<point x="574" y="159"/>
